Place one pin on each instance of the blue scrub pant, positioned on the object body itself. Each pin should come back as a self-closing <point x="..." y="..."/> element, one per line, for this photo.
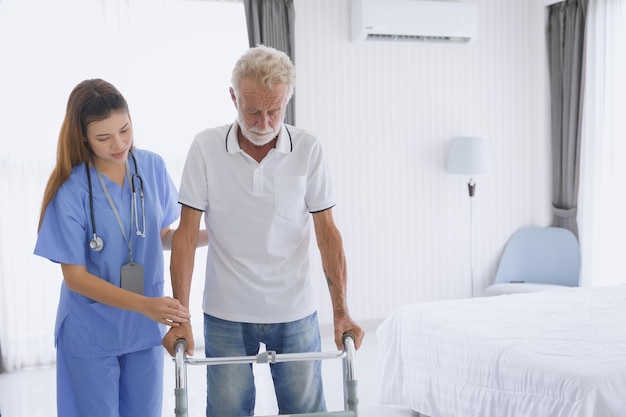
<point x="129" y="385"/>
<point x="298" y="385"/>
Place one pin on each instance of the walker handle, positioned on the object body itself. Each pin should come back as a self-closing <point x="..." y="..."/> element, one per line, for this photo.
<point x="346" y="336"/>
<point x="180" y="344"/>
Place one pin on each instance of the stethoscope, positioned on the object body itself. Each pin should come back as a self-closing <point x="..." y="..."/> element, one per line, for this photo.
<point x="136" y="182"/>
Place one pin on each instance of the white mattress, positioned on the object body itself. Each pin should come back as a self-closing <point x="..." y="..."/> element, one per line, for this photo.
<point x="557" y="353"/>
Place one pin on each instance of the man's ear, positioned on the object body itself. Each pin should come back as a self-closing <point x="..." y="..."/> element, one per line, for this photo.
<point x="233" y="97"/>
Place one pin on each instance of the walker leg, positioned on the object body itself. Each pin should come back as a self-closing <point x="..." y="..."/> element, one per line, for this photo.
<point x="180" y="391"/>
<point x="350" y="394"/>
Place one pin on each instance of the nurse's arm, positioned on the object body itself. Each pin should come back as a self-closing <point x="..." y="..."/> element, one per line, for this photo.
<point x="184" y="244"/>
<point x="167" y="234"/>
<point x="165" y="310"/>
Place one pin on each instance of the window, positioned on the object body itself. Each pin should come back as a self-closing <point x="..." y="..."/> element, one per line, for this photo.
<point x="172" y="61"/>
<point x="603" y="149"/>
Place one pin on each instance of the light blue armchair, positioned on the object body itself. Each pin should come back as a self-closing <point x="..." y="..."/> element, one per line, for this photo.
<point x="537" y="259"/>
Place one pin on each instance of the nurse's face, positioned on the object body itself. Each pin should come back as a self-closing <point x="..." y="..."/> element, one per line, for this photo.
<point x="110" y="140"/>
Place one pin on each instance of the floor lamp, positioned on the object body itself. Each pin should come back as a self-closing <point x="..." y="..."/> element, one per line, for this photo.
<point x="470" y="156"/>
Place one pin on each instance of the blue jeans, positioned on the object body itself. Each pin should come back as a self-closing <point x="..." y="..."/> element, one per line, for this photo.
<point x="230" y="388"/>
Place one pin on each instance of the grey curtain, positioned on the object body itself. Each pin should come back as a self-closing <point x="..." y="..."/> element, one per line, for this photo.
<point x="565" y="32"/>
<point x="271" y="23"/>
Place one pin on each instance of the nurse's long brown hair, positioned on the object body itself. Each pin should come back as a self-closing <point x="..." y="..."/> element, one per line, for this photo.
<point x="90" y="101"/>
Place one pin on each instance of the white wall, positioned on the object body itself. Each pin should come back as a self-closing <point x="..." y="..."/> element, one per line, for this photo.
<point x="386" y="112"/>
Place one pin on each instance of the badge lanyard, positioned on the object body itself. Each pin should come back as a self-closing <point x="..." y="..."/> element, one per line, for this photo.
<point x="131" y="274"/>
<point x="128" y="241"/>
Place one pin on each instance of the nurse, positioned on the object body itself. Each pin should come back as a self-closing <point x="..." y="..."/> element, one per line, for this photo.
<point x="105" y="218"/>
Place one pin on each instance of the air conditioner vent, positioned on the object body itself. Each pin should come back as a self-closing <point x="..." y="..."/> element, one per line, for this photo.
<point x="413" y="38"/>
<point x="413" y="21"/>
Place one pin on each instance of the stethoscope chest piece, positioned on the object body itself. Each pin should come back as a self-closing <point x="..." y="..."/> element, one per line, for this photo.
<point x="96" y="244"/>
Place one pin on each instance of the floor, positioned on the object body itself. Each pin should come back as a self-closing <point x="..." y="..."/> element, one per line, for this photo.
<point x="31" y="393"/>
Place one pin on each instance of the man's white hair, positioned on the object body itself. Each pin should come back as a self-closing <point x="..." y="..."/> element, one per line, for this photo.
<point x="267" y="66"/>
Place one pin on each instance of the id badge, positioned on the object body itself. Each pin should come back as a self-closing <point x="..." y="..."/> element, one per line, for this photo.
<point x="132" y="278"/>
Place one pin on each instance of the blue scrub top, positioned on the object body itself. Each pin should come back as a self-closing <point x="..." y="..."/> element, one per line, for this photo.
<point x="95" y="329"/>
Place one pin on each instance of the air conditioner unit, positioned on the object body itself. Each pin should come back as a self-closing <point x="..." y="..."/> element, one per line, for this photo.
<point x="413" y="20"/>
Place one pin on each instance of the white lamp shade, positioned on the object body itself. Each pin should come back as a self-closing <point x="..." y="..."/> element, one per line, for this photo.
<point x="470" y="155"/>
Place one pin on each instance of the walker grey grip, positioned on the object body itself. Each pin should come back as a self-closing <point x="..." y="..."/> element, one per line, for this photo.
<point x="181" y="402"/>
<point x="352" y="398"/>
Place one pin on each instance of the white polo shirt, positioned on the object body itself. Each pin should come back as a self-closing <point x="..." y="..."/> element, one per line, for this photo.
<point x="259" y="222"/>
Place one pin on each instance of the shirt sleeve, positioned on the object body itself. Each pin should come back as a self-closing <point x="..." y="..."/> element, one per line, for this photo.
<point x="62" y="235"/>
<point x="193" y="187"/>
<point x="319" y="193"/>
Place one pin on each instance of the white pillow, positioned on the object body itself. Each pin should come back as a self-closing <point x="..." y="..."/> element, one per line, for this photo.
<point x="518" y="287"/>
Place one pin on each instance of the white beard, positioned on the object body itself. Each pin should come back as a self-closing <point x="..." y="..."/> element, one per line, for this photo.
<point x="256" y="136"/>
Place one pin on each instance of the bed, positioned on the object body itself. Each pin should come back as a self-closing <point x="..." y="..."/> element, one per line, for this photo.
<point x="556" y="353"/>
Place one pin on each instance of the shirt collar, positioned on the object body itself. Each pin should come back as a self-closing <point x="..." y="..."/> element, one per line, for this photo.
<point x="283" y="144"/>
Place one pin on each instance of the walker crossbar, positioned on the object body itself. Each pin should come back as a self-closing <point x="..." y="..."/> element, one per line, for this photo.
<point x="349" y="373"/>
<point x="326" y="414"/>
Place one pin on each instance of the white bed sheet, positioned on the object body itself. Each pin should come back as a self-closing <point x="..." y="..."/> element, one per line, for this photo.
<point x="557" y="353"/>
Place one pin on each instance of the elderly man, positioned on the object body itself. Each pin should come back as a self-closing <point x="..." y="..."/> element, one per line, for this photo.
<point x="260" y="183"/>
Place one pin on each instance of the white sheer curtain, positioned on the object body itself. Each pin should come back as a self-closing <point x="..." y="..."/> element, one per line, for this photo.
<point x="602" y="195"/>
<point x="170" y="58"/>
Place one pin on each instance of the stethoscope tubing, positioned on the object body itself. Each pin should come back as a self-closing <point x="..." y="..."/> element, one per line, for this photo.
<point x="96" y="243"/>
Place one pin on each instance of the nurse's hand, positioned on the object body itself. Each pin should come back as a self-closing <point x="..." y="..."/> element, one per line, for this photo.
<point x="175" y="333"/>
<point x="166" y="310"/>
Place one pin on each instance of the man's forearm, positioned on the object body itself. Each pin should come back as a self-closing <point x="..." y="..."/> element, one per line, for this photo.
<point x="182" y="264"/>
<point x="334" y="265"/>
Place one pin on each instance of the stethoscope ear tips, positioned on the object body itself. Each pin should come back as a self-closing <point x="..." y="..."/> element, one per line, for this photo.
<point x="96" y="244"/>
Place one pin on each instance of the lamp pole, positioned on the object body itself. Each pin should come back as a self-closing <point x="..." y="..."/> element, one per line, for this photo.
<point x="471" y="156"/>
<point x="471" y="188"/>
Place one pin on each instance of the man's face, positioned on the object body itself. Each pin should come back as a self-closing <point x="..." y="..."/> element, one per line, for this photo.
<point x="260" y="112"/>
